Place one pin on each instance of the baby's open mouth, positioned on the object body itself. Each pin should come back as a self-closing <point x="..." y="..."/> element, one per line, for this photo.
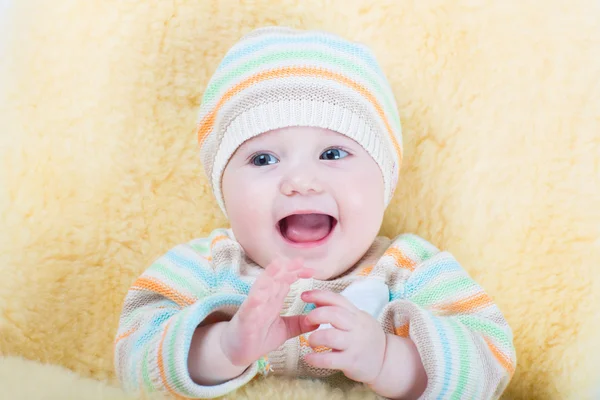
<point x="306" y="228"/>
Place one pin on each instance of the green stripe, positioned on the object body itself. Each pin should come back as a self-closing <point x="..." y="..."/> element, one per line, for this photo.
<point x="348" y="67"/>
<point x="417" y="246"/>
<point x="145" y="373"/>
<point x="446" y="289"/>
<point x="464" y="371"/>
<point x="132" y="316"/>
<point x="487" y="328"/>
<point x="180" y="281"/>
<point x="201" y="246"/>
<point x="174" y="382"/>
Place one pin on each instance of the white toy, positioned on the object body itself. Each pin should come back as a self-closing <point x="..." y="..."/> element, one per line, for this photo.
<point x="369" y="295"/>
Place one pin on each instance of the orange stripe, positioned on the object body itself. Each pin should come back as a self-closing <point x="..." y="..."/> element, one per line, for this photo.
<point x="206" y="125"/>
<point x="469" y="304"/>
<point x="217" y="239"/>
<point x="501" y="357"/>
<point x="124" y="335"/>
<point x="402" y="330"/>
<point x="365" y="271"/>
<point x="303" y="341"/>
<point x="160" y="361"/>
<point x="162" y="289"/>
<point x="401" y="259"/>
<point x="317" y="349"/>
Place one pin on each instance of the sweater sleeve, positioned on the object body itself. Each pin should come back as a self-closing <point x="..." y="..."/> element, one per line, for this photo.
<point x="162" y="309"/>
<point x="464" y="341"/>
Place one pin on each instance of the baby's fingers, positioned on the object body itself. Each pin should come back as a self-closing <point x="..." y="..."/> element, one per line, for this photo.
<point x="285" y="271"/>
<point x="306" y="273"/>
<point x="263" y="289"/>
<point x="259" y="307"/>
<point x="295" y="270"/>
<point x="327" y="298"/>
<point x="336" y="316"/>
<point x="290" y="277"/>
<point x="254" y="302"/>
<point x="330" y="338"/>
<point x="297" y="325"/>
<point x="276" y="267"/>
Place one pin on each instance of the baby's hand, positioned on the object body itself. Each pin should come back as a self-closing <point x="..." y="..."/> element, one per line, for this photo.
<point x="357" y="340"/>
<point x="257" y="328"/>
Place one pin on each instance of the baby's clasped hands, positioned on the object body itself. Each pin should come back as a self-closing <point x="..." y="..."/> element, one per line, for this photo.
<point x="257" y="328"/>
<point x="356" y="339"/>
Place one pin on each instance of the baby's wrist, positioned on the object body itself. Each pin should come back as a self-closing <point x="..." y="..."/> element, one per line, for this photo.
<point x="230" y="347"/>
<point x="208" y="364"/>
<point x="372" y="383"/>
<point x="225" y="342"/>
<point x="408" y="382"/>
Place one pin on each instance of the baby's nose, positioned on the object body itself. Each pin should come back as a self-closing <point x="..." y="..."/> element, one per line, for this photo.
<point x="302" y="184"/>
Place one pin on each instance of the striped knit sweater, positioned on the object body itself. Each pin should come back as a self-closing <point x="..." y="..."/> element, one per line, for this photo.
<point x="464" y="341"/>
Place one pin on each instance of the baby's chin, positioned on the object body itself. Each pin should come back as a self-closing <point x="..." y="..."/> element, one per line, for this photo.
<point x="324" y="262"/>
<point x="326" y="269"/>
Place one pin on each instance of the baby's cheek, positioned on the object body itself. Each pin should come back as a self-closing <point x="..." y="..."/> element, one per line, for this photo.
<point x="254" y="199"/>
<point x="252" y="219"/>
<point x="362" y="185"/>
<point x="362" y="214"/>
<point x="361" y="197"/>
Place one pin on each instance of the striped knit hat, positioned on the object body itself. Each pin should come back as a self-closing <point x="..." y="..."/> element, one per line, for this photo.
<point x="278" y="77"/>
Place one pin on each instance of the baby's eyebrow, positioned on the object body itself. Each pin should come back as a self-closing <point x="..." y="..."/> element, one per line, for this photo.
<point x="254" y="147"/>
<point x="337" y="141"/>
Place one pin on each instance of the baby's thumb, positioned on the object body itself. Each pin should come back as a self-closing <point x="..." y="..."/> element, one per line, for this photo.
<point x="297" y="325"/>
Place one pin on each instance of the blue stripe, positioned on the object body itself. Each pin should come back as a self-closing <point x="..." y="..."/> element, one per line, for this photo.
<point x="447" y="356"/>
<point x="196" y="266"/>
<point x="341" y="45"/>
<point x="308" y="308"/>
<point x="152" y="327"/>
<point x="135" y="313"/>
<point x="423" y="276"/>
<point x="207" y="275"/>
<point x="398" y="294"/>
<point x="228" y="276"/>
<point x="190" y="316"/>
<point x="198" y="312"/>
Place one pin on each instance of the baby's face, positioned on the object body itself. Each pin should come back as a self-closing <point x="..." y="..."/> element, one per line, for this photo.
<point x="304" y="192"/>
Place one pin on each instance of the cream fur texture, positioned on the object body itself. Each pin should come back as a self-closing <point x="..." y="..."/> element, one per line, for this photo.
<point x="99" y="168"/>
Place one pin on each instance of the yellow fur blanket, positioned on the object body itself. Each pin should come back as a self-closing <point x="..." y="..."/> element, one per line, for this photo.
<point x="99" y="173"/>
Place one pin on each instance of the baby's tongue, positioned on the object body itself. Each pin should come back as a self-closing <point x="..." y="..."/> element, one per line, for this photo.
<point x="304" y="228"/>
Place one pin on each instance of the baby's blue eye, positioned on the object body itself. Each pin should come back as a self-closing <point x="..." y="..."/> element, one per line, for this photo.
<point x="264" y="159"/>
<point x="333" y="154"/>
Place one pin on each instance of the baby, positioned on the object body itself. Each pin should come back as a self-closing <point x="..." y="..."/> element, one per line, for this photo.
<point x="301" y="141"/>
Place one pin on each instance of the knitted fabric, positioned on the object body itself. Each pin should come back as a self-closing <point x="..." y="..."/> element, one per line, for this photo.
<point x="465" y="344"/>
<point x="279" y="77"/>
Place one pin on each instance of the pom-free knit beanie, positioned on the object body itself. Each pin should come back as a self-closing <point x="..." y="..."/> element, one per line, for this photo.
<point x="278" y="77"/>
